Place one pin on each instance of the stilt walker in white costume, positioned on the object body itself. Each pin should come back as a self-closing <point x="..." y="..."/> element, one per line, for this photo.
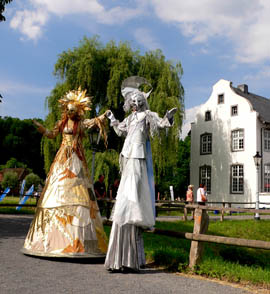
<point x="134" y="209"/>
<point x="67" y="222"/>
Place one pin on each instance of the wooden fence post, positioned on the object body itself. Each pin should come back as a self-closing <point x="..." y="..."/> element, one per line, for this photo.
<point x="222" y="212"/>
<point x="230" y="206"/>
<point x="200" y="227"/>
<point x="185" y="214"/>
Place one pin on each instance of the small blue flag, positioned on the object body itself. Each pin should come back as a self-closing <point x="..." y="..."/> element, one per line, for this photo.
<point x="4" y="194"/>
<point x="22" y="187"/>
<point x="27" y="195"/>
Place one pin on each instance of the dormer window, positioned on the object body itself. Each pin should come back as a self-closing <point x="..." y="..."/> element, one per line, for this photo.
<point x="208" y="116"/>
<point x="220" y="98"/>
<point x="234" y="110"/>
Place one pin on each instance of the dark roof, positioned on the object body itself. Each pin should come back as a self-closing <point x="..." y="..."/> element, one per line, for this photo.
<point x="259" y="103"/>
<point x="20" y="171"/>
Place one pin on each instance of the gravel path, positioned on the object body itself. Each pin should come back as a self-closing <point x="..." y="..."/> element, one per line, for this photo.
<point x="24" y="274"/>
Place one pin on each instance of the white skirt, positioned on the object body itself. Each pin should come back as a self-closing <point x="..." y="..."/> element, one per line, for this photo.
<point x="133" y="202"/>
<point x="125" y="248"/>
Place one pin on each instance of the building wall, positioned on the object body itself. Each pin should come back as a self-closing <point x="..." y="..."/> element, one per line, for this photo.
<point x="264" y="195"/>
<point x="222" y="157"/>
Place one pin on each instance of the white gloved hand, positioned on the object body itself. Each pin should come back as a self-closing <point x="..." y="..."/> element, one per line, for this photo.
<point x="110" y="116"/>
<point x="170" y="114"/>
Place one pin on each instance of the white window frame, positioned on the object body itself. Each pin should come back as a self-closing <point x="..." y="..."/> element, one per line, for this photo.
<point x="232" y="110"/>
<point x="206" y="144"/>
<point x="266" y="178"/>
<point x="208" y="115"/>
<point x="205" y="177"/>
<point x="266" y="139"/>
<point x="237" y="179"/>
<point x="223" y="98"/>
<point x="238" y="140"/>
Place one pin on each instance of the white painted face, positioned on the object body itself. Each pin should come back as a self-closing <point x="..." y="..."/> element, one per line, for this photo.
<point x="138" y="101"/>
<point x="72" y="110"/>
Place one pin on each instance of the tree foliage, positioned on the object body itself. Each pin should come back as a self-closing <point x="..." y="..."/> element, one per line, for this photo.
<point x="10" y="180"/>
<point x="13" y="163"/>
<point x="183" y="167"/>
<point x="20" y="145"/>
<point x="2" y="8"/>
<point x="101" y="69"/>
<point x="32" y="179"/>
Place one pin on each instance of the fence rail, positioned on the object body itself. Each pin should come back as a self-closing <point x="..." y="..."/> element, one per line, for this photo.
<point x="199" y="236"/>
<point x="201" y="222"/>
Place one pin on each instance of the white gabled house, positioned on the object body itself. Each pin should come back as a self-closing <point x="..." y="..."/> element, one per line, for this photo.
<point x="227" y="132"/>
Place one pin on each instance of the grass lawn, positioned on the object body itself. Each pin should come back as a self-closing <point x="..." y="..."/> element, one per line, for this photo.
<point x="224" y="262"/>
<point x="15" y="200"/>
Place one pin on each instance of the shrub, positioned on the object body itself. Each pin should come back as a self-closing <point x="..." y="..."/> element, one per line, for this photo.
<point x="10" y="180"/>
<point x="32" y="179"/>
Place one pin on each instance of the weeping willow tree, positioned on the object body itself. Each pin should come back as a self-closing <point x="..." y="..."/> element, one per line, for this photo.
<point x="101" y="69"/>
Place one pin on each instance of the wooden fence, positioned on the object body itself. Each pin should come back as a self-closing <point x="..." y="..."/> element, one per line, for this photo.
<point x="201" y="222"/>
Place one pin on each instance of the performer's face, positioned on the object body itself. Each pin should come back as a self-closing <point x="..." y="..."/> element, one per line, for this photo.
<point x="72" y="111"/>
<point x="138" y="102"/>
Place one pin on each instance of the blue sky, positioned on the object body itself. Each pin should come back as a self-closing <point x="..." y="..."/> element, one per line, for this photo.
<point x="213" y="39"/>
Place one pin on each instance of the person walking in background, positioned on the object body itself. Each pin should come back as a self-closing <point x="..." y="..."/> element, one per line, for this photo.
<point x="201" y="194"/>
<point x="100" y="188"/>
<point x="157" y="192"/>
<point x="190" y="197"/>
<point x="113" y="189"/>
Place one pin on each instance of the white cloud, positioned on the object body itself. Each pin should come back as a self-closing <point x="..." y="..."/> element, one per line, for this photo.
<point x="118" y="15"/>
<point x="245" y="23"/>
<point x="144" y="37"/>
<point x="263" y="74"/>
<point x="65" y="7"/>
<point x="31" y="21"/>
<point x="190" y="115"/>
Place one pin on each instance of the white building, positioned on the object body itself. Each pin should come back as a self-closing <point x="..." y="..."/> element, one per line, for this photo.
<point x="227" y="132"/>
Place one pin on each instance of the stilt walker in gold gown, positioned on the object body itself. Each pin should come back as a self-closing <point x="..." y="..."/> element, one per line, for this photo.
<point x="67" y="222"/>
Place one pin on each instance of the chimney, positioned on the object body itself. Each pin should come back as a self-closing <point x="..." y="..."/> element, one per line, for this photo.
<point x="243" y="88"/>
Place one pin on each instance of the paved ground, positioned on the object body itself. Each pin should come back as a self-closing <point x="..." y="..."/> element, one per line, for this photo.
<point x="23" y="274"/>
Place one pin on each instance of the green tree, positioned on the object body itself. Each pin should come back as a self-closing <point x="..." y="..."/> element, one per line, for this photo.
<point x="10" y="180"/>
<point x="20" y="139"/>
<point x="13" y="163"/>
<point x="32" y="179"/>
<point x="101" y="69"/>
<point x="182" y="180"/>
<point x="2" y="8"/>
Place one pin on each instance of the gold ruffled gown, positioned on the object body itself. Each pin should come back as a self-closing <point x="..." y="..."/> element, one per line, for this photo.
<point x="67" y="222"/>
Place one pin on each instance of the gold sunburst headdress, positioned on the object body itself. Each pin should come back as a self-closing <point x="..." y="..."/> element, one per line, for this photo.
<point x="78" y="98"/>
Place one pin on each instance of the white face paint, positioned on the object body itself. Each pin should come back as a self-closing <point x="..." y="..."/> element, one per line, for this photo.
<point x="138" y="101"/>
<point x="71" y="110"/>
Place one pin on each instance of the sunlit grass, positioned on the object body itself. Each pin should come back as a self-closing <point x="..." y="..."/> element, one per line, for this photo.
<point x="15" y="200"/>
<point x="230" y="263"/>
